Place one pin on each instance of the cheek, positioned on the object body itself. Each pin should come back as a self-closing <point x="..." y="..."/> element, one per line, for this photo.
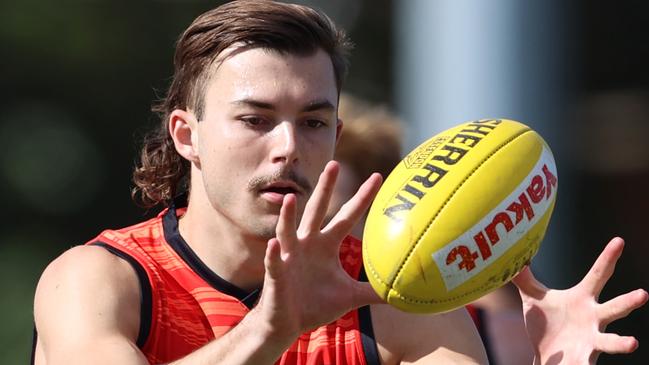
<point x="224" y="146"/>
<point x="321" y="145"/>
<point x="220" y="166"/>
<point x="315" y="158"/>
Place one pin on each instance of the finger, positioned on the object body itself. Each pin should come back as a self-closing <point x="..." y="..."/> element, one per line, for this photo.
<point x="603" y="268"/>
<point x="273" y="258"/>
<point x="285" y="229"/>
<point x="342" y="223"/>
<point x="528" y="285"/>
<point x="316" y="208"/>
<point x="621" y="306"/>
<point x="612" y="343"/>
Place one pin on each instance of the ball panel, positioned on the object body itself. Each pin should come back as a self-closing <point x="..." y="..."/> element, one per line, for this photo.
<point x="487" y="282"/>
<point x="502" y="227"/>
<point x="493" y="186"/>
<point x="413" y="217"/>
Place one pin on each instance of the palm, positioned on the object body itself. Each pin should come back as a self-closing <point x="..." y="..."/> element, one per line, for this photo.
<point x="305" y="284"/>
<point x="567" y="326"/>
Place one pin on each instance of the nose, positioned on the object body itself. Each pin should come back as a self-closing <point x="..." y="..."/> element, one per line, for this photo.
<point x="284" y="143"/>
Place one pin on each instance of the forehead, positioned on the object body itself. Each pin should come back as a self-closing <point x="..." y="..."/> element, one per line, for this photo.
<point x="273" y="77"/>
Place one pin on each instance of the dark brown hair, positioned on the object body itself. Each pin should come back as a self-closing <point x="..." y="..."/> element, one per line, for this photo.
<point x="286" y="28"/>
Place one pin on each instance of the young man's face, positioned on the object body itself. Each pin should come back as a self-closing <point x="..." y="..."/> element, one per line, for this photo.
<point x="269" y="127"/>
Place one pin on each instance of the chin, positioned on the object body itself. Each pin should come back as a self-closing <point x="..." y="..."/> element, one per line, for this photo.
<point x="263" y="228"/>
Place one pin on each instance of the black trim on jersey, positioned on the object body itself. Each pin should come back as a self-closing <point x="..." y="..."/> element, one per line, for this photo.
<point x="367" y="331"/>
<point x="34" y="339"/>
<point x="482" y="330"/>
<point x="145" y="288"/>
<point x="175" y="240"/>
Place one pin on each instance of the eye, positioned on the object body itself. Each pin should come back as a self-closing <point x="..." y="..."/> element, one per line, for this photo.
<point x="253" y="121"/>
<point x="314" y="123"/>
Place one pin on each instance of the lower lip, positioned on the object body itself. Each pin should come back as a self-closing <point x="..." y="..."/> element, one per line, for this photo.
<point x="272" y="197"/>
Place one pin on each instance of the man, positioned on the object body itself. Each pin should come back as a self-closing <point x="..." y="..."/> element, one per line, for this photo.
<point x="249" y="126"/>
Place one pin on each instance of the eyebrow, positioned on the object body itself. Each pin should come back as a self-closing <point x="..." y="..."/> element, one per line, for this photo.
<point x="324" y="105"/>
<point x="315" y="105"/>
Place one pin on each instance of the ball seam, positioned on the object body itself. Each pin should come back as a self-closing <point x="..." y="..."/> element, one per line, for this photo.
<point x="430" y="223"/>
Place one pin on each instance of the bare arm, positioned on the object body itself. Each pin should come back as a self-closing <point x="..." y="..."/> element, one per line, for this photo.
<point x="503" y="324"/>
<point x="87" y="302"/>
<point x="86" y="310"/>
<point x="406" y="338"/>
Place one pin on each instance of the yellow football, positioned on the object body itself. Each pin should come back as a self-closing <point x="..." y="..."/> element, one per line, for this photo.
<point x="460" y="215"/>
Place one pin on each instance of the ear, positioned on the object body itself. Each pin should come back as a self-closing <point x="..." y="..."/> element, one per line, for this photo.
<point x="339" y="130"/>
<point x="183" y="128"/>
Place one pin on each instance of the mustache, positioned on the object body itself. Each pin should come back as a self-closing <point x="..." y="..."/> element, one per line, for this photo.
<point x="259" y="182"/>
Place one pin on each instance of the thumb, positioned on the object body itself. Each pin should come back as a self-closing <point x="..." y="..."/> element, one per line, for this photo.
<point x="365" y="294"/>
<point x="528" y="285"/>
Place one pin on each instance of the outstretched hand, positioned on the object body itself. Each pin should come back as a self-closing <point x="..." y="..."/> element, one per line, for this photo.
<point x="305" y="284"/>
<point x="568" y="326"/>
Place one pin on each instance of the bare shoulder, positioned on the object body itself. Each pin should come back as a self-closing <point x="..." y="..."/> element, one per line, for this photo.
<point x="86" y="293"/>
<point x="448" y="338"/>
<point x="93" y="261"/>
<point x="83" y="280"/>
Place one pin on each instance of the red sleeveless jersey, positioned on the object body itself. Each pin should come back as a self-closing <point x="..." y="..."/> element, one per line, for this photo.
<point x="185" y="305"/>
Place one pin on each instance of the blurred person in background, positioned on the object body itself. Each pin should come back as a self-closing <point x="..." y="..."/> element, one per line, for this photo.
<point x="226" y="273"/>
<point x="372" y="142"/>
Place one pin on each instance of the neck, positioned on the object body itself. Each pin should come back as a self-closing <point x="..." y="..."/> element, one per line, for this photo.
<point x="224" y="247"/>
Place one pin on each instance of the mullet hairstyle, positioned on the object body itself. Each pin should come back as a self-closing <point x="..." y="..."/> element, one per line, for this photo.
<point x="162" y="173"/>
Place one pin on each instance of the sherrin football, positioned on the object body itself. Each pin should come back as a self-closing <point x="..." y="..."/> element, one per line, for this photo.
<point x="460" y="215"/>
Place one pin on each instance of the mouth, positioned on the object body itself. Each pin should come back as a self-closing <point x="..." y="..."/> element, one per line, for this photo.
<point x="275" y="192"/>
<point x="280" y="190"/>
